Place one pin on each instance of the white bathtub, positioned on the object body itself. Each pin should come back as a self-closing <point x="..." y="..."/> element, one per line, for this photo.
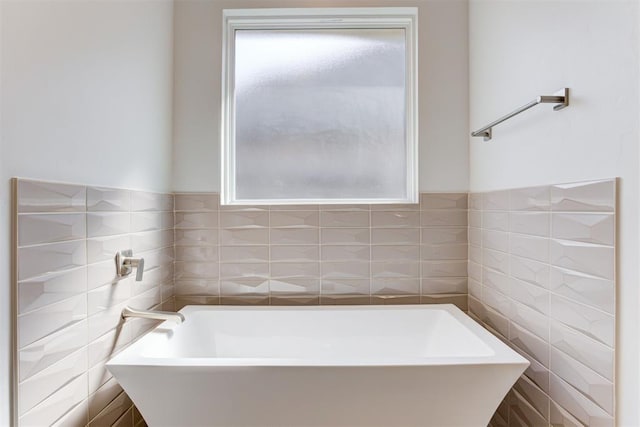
<point x="420" y="365"/>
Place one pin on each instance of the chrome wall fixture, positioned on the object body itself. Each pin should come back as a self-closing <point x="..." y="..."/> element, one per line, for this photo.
<point x="125" y="264"/>
<point x="561" y="98"/>
<point x="128" y="312"/>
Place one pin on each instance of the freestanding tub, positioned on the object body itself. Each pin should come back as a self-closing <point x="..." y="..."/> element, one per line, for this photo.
<point x="414" y="365"/>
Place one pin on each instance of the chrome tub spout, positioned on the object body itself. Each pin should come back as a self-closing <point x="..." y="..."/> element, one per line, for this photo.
<point x="150" y="314"/>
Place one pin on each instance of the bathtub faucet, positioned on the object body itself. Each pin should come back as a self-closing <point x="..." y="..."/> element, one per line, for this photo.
<point x="150" y="314"/>
<point x="125" y="263"/>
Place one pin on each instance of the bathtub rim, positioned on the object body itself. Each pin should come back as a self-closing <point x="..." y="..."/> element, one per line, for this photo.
<point x="132" y="355"/>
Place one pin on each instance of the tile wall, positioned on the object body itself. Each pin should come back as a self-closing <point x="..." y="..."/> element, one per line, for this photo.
<point x="542" y="278"/>
<point x="346" y="254"/>
<point x="540" y="262"/>
<point x="69" y="298"/>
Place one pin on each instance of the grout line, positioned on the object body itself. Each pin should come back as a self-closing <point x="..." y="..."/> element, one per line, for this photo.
<point x="269" y="255"/>
<point x="370" y="254"/>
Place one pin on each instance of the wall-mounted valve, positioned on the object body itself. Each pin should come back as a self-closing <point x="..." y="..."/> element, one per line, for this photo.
<point x="125" y="264"/>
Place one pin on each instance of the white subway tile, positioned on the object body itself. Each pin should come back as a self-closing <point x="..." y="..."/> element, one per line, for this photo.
<point x="443" y="218"/>
<point x="531" y="320"/>
<point x="395" y="236"/>
<point x="295" y="253"/>
<point x="344" y="236"/>
<point x="189" y="220"/>
<point x="530" y="295"/>
<point x="48" y="289"/>
<point x="244" y="270"/>
<point x="349" y="219"/>
<point x="580" y="287"/>
<point x="147" y="221"/>
<point x="395" y="269"/>
<point x="524" y="412"/>
<point x="346" y="252"/>
<point x="77" y="416"/>
<point x="345" y="286"/>
<point x="496" y="260"/>
<point x="578" y="405"/>
<point x="585" y="258"/>
<point x="529" y="271"/>
<point x="146" y="201"/>
<point x="108" y="199"/>
<point x="105" y="248"/>
<point x="204" y="237"/>
<point x="592" y="323"/>
<point x="586" y="381"/>
<point x="37" y="196"/>
<point x="345" y="270"/>
<point x="205" y="253"/>
<point x="188" y="287"/>
<point x="107" y="345"/>
<point x="443" y="201"/>
<point x="496" y="280"/>
<point x="50" y="349"/>
<point x="294" y="219"/>
<point x="114" y="410"/>
<point x="535" y="248"/>
<point x="286" y="286"/>
<point x="391" y="219"/>
<point x="594" y="196"/>
<point x="444" y="269"/>
<point x="47" y="382"/>
<point x="50" y="258"/>
<point x="244" y="287"/>
<point x="58" y="404"/>
<point x="39" y="323"/>
<point x="561" y="417"/>
<point x="199" y="202"/>
<point x="36" y="229"/>
<point x="531" y="223"/>
<point x="495" y="200"/>
<point x="493" y="220"/>
<point x="233" y="219"/>
<point x="444" y="252"/>
<point x="104" y="297"/>
<point x="496" y="300"/>
<point x="533" y="395"/>
<point x="495" y="240"/>
<point x="589" y="228"/>
<point x="108" y="223"/>
<point x="294" y="236"/>
<point x="591" y="353"/>
<point x="382" y="286"/>
<point x="529" y="343"/>
<point x="196" y="270"/>
<point x="295" y="269"/>
<point x="530" y="199"/>
<point x="445" y="235"/>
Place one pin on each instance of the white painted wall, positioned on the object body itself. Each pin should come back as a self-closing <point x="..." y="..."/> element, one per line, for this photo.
<point x="443" y="89"/>
<point x="86" y="97"/>
<point x="521" y="49"/>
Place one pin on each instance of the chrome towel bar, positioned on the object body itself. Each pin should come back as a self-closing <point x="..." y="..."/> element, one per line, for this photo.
<point x="561" y="98"/>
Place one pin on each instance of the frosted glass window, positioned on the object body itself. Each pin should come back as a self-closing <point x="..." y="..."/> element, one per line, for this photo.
<point x="320" y="115"/>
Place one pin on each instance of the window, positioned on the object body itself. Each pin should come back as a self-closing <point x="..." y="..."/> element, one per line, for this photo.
<point x="319" y="106"/>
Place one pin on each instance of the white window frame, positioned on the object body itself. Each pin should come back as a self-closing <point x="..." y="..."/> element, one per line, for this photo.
<point x="318" y="18"/>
